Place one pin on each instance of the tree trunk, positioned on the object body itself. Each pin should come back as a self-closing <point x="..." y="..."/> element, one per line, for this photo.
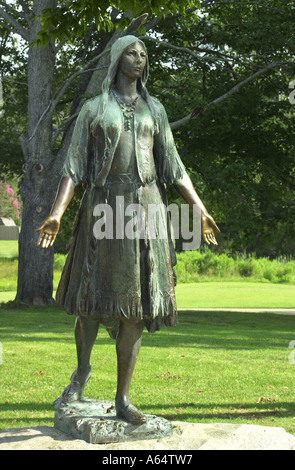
<point x="39" y="184"/>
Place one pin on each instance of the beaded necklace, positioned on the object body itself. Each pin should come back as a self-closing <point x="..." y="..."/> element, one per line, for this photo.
<point x="127" y="110"/>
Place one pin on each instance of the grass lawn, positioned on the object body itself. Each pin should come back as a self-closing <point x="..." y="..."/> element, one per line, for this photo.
<point x="214" y="367"/>
<point x="217" y="294"/>
<point x="8" y="248"/>
<point x="235" y="294"/>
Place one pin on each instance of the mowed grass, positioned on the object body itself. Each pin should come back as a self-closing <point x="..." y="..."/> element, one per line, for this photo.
<point x="8" y="249"/>
<point x="235" y="294"/>
<point x="216" y="295"/>
<point x="213" y="367"/>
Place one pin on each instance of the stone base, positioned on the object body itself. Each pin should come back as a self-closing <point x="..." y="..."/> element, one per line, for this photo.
<point x="186" y="437"/>
<point x="95" y="421"/>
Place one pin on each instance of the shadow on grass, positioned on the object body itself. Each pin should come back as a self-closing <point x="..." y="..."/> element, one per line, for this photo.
<point x="225" y="411"/>
<point x="175" y="412"/>
<point x="15" y="414"/>
<point x="217" y="330"/>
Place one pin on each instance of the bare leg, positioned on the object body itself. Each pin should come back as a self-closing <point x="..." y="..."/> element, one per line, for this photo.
<point x="85" y="334"/>
<point x="128" y="344"/>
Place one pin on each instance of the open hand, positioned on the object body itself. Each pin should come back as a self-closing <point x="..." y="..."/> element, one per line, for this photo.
<point x="49" y="229"/>
<point x="208" y="227"/>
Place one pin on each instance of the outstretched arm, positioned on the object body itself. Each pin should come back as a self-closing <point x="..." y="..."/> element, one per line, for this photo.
<point x="185" y="188"/>
<point x="50" y="227"/>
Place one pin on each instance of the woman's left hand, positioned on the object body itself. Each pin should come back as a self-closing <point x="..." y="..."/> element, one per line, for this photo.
<point x="208" y="227"/>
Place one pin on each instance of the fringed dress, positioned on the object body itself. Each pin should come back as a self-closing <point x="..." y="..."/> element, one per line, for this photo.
<point x="121" y="256"/>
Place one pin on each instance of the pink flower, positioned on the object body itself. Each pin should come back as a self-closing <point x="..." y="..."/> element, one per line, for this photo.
<point x="16" y="203"/>
<point x="10" y="190"/>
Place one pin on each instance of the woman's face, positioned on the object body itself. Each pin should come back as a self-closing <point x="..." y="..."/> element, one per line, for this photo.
<point x="133" y="61"/>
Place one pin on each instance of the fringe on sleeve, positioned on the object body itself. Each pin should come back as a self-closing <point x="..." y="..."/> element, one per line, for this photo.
<point x="75" y="166"/>
<point x="169" y="165"/>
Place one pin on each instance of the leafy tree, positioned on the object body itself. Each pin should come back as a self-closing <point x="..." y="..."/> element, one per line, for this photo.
<point x="238" y="141"/>
<point x="73" y="17"/>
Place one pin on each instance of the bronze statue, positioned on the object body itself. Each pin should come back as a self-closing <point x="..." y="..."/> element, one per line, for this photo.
<point x="122" y="146"/>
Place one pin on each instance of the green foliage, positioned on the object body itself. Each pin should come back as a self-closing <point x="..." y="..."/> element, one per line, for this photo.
<point x="9" y="204"/>
<point x="240" y="152"/>
<point x="72" y="19"/>
<point x="197" y="266"/>
<point x="13" y="117"/>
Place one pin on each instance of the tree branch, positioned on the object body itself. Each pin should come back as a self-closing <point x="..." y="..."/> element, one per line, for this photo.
<point x="62" y="125"/>
<point x="172" y="46"/>
<point x="14" y="81"/>
<point x="197" y="112"/>
<point x="190" y="51"/>
<point x="67" y="83"/>
<point x="11" y="10"/>
<point x="27" y="12"/>
<point x="9" y="28"/>
<point x="53" y="103"/>
<point x="17" y="27"/>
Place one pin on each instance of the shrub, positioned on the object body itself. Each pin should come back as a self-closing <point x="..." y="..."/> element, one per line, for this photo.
<point x="9" y="204"/>
<point x="246" y="267"/>
<point x="194" y="266"/>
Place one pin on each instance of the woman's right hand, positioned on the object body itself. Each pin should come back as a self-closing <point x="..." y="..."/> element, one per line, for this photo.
<point x="49" y="229"/>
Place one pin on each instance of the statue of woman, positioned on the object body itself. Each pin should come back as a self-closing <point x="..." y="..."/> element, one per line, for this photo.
<point x="122" y="149"/>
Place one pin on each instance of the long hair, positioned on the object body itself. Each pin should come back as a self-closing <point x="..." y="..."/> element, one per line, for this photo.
<point x="117" y="50"/>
